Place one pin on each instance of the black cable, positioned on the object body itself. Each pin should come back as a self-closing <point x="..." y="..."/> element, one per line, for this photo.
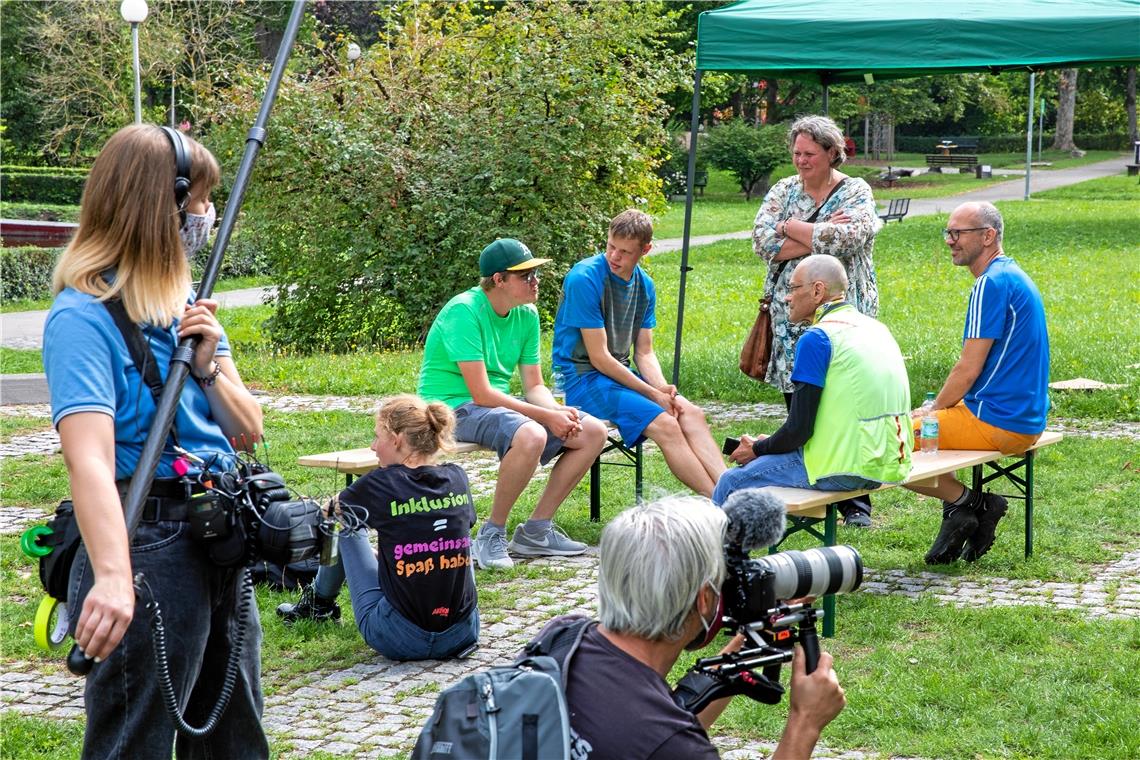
<point x="233" y="663"/>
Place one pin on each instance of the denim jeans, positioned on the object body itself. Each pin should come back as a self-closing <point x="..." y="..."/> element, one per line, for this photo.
<point x="199" y="601"/>
<point x="381" y="625"/>
<point x="782" y="470"/>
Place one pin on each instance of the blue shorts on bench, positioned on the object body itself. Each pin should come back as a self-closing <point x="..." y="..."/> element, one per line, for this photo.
<point x="605" y="398"/>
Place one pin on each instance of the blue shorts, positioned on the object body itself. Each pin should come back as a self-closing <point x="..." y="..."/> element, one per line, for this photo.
<point x="607" y="399"/>
<point x="495" y="428"/>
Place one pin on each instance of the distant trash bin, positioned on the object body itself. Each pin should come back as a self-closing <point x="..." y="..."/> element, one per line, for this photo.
<point x="983" y="171"/>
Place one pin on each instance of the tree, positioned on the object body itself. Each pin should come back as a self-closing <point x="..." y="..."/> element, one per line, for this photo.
<point x="1130" y="104"/>
<point x="380" y="184"/>
<point x="1066" y="110"/>
<point x="750" y="153"/>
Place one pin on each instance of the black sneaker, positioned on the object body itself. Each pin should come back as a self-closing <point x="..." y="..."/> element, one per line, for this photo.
<point x="958" y="524"/>
<point x="991" y="509"/>
<point x="309" y="607"/>
<point x="857" y="519"/>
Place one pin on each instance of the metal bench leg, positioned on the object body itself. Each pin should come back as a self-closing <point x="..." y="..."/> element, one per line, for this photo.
<point x="829" y="600"/>
<point x="348" y="479"/>
<point x="596" y="490"/>
<point x="638" y="472"/>
<point x="1028" y="503"/>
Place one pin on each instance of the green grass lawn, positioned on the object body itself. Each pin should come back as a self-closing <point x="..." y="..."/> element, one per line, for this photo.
<point x="923" y="679"/>
<point x="1058" y="159"/>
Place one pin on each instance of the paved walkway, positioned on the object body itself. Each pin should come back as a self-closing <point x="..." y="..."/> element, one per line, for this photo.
<point x="375" y="708"/>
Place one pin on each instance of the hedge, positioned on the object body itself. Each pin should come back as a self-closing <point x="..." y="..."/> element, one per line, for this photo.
<point x="25" y="272"/>
<point x="1011" y="143"/>
<point x="41" y="187"/>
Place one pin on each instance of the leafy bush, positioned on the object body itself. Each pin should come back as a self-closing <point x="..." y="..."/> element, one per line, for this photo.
<point x="25" y="272"/>
<point x="39" y="186"/>
<point x="381" y="184"/>
<point x="750" y="153"/>
<point x="674" y="168"/>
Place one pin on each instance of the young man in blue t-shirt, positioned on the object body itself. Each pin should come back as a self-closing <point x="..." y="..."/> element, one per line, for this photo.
<point x="997" y="395"/>
<point x="603" y="329"/>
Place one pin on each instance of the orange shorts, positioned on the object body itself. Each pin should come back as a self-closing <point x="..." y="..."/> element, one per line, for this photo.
<point x="958" y="428"/>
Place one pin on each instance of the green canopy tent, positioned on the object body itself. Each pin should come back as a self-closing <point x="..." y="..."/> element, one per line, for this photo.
<point x="827" y="43"/>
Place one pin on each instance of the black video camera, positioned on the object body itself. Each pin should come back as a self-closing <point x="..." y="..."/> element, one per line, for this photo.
<point x="760" y="600"/>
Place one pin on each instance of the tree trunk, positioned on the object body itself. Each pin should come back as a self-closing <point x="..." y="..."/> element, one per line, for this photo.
<point x="770" y="97"/>
<point x="1130" y="104"/>
<point x="1066" y="105"/>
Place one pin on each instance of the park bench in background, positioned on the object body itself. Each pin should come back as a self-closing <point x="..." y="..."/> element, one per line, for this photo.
<point x="17" y="232"/>
<point x="353" y="462"/>
<point x="959" y="160"/>
<point x="897" y="209"/>
<point x="700" y="182"/>
<point x="807" y="508"/>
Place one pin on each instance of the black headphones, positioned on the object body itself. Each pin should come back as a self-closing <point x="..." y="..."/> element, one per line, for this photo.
<point x="181" y="170"/>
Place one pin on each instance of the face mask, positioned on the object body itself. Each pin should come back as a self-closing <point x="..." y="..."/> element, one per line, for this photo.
<point x="196" y="230"/>
<point x="705" y="638"/>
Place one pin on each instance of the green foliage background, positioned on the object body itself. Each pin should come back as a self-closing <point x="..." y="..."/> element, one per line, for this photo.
<point x="381" y="183"/>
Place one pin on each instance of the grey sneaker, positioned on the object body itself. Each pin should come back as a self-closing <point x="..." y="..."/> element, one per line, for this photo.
<point x="490" y="551"/>
<point x="553" y="543"/>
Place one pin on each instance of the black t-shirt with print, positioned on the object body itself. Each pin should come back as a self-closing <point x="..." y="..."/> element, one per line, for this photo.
<point x="423" y="516"/>
<point x="621" y="708"/>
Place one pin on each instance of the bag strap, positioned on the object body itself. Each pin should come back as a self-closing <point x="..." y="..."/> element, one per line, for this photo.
<point x="560" y="639"/>
<point x="141" y="353"/>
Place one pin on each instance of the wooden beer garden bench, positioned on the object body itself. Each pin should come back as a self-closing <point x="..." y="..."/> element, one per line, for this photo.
<point x="354" y="462"/>
<point x="808" y="508"/>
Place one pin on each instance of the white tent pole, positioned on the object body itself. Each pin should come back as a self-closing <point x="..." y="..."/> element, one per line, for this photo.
<point x="1029" y="134"/>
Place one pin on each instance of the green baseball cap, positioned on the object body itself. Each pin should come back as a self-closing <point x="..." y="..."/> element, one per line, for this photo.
<point x="507" y="255"/>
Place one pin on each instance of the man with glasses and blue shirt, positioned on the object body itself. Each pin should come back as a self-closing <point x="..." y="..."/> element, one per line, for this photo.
<point x="997" y="395"/>
<point x="472" y="350"/>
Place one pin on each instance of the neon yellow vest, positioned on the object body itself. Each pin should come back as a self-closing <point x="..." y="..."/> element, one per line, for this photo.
<point x="863" y="423"/>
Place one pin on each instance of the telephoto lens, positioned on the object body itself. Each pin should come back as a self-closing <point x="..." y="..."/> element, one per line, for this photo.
<point x="815" y="572"/>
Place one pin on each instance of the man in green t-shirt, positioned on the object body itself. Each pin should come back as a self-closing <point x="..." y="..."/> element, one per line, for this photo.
<point x="472" y="350"/>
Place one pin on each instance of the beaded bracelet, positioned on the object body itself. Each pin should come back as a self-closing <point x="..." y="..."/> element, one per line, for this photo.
<point x="210" y="379"/>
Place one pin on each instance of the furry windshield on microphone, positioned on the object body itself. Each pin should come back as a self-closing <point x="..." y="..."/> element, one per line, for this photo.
<point x="755" y="519"/>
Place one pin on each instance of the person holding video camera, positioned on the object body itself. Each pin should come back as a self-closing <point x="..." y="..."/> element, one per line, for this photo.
<point x="848" y="425"/>
<point x="145" y="210"/>
<point x="661" y="569"/>
<point x="415" y="599"/>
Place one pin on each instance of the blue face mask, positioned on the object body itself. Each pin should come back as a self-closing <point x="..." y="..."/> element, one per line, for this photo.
<point x="196" y="230"/>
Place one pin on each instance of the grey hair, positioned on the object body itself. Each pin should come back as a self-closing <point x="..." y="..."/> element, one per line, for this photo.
<point x="826" y="269"/>
<point x="988" y="216"/>
<point x="822" y="131"/>
<point x="654" y="559"/>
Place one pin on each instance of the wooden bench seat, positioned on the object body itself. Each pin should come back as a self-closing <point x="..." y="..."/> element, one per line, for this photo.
<point x="355" y="462"/>
<point x="807" y="507"/>
<point x="964" y="160"/>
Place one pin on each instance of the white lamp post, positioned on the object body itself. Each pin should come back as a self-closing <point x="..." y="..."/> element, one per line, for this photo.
<point x="134" y="13"/>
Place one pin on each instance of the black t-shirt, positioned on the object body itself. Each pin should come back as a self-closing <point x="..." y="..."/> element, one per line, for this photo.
<point x="423" y="516"/>
<point x="622" y="709"/>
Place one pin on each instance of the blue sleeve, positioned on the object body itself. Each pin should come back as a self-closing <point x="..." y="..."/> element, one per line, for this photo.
<point x="80" y="381"/>
<point x="989" y="302"/>
<point x="650" y="320"/>
<point x="582" y="299"/>
<point x="813" y="356"/>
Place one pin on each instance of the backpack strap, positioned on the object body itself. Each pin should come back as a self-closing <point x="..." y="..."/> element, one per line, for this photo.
<point x="141" y="353"/>
<point x="560" y="640"/>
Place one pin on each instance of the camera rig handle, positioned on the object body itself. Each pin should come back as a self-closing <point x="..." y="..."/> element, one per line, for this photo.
<point x="727" y="675"/>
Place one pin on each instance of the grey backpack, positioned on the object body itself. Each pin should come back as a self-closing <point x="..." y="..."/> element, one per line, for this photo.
<point x="514" y="712"/>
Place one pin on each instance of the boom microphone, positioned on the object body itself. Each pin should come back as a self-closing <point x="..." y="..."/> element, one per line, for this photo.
<point x="755" y="519"/>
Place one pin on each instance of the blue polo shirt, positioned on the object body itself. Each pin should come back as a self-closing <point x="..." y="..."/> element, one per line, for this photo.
<point x="89" y="369"/>
<point x="1012" y="392"/>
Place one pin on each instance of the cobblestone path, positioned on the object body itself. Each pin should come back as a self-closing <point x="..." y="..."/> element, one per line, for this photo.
<point x="375" y="708"/>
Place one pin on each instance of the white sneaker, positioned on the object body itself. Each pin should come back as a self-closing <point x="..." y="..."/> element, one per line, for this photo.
<point x="490" y="551"/>
<point x="551" y="543"/>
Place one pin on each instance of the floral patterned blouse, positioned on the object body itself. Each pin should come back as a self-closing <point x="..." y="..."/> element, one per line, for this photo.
<point x="852" y="243"/>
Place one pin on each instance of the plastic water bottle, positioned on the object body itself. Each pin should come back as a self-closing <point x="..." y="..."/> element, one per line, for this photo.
<point x="558" y="390"/>
<point x="928" y="432"/>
